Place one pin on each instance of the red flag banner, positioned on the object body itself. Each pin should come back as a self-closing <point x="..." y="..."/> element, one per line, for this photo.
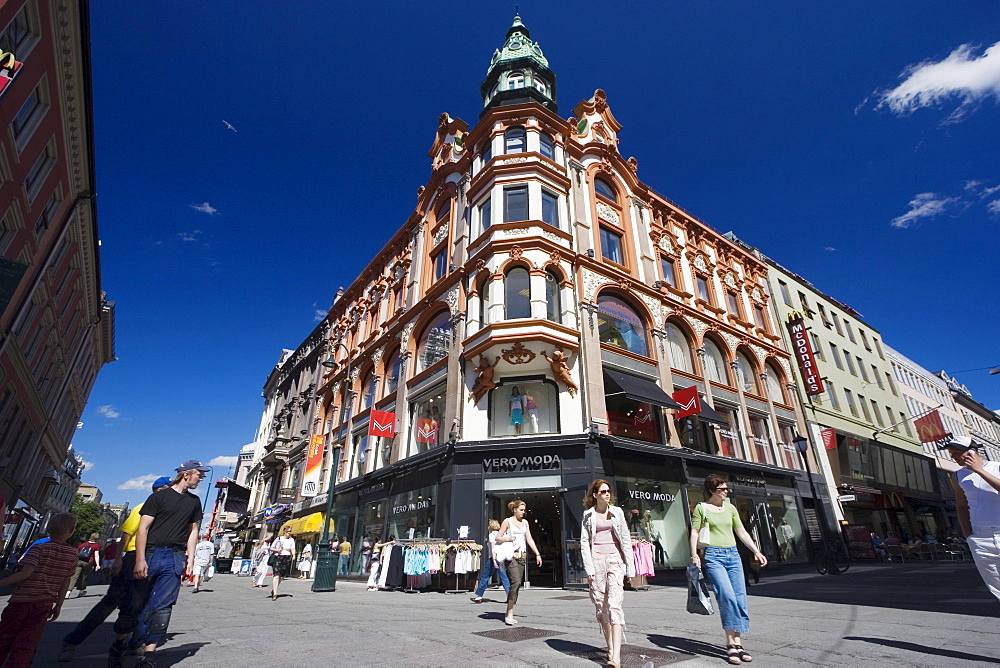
<point x="689" y="401"/>
<point x="427" y="431"/>
<point x="829" y="439"/>
<point x="382" y="423"/>
<point x="802" y="349"/>
<point x="930" y="428"/>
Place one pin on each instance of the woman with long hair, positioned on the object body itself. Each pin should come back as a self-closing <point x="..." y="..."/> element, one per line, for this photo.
<point x="282" y="556"/>
<point x="261" y="553"/>
<point x="515" y="530"/>
<point x="722" y="562"/>
<point x="606" y="548"/>
<point x="491" y="564"/>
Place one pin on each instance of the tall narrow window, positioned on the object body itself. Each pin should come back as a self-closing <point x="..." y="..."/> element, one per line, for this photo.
<point x="850" y="402"/>
<point x="669" y="271"/>
<point x="517" y="293"/>
<point x="861" y="368"/>
<point x="715" y="363"/>
<point x="440" y="260"/>
<point x="28" y="116"/>
<point x="817" y="348"/>
<point x="487" y="151"/>
<point x="850" y="363"/>
<point x="704" y="293"/>
<point x="864" y="408"/>
<point x="41" y="168"/>
<point x="513" y="140"/>
<point x="515" y="204"/>
<point x="878" y="413"/>
<point x="550" y="209"/>
<point x="774" y="385"/>
<point x="553" y="303"/>
<point x="785" y="296"/>
<point x="836" y="356"/>
<point x="485" y="211"/>
<point x="748" y="377"/>
<point x="758" y="317"/>
<point x="734" y="305"/>
<point x="680" y="350"/>
<point x="878" y="377"/>
<point x="611" y="246"/>
<point x="546" y="146"/>
<point x="392" y="377"/>
<point x="832" y="395"/>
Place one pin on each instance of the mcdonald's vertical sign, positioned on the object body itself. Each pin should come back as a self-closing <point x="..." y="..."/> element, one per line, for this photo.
<point x="9" y="69"/>
<point x="803" y="352"/>
<point x="314" y="464"/>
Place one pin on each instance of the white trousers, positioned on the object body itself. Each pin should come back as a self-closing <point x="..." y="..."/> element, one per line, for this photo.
<point x="985" y="548"/>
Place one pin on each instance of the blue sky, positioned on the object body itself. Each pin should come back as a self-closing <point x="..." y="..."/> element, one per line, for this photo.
<point x="856" y="143"/>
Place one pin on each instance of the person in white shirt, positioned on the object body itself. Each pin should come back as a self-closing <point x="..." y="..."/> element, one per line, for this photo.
<point x="282" y="556"/>
<point x="203" y="553"/>
<point x="977" y="496"/>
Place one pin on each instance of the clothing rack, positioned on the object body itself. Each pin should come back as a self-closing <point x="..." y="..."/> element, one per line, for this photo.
<point x="639" y="582"/>
<point x="464" y="542"/>
<point x="417" y="542"/>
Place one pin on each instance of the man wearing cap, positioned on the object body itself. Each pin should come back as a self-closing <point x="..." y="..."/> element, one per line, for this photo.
<point x="977" y="496"/>
<point x="164" y="550"/>
<point x="119" y="588"/>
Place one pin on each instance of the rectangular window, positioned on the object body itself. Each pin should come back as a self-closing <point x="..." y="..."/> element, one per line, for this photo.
<point x="515" y="204"/>
<point x="29" y="115"/>
<point x="611" y="246"/>
<point x="836" y="355"/>
<point x="832" y="395"/>
<point x="817" y="348"/>
<point x="440" y="260"/>
<point x="19" y="35"/>
<point x="906" y="424"/>
<point x="487" y="151"/>
<point x="864" y="408"/>
<point x="878" y="348"/>
<point x="864" y="339"/>
<point x="669" y="271"/>
<point x="550" y="209"/>
<point x="861" y="368"/>
<point x="485" y="211"/>
<point x="48" y="213"/>
<point x="785" y="296"/>
<point x="888" y="416"/>
<point x="822" y="314"/>
<point x="892" y="387"/>
<point x="878" y="414"/>
<point x="805" y="305"/>
<point x="41" y="168"/>
<point x="704" y="293"/>
<point x="850" y="402"/>
<point x="734" y="304"/>
<point x="850" y="364"/>
<point x="758" y="317"/>
<point x="850" y="332"/>
<point x="878" y="377"/>
<point x="836" y="324"/>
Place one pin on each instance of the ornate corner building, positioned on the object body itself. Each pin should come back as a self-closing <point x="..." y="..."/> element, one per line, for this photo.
<point x="56" y="327"/>
<point x="524" y="332"/>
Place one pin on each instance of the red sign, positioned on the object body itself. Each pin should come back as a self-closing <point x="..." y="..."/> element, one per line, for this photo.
<point x="829" y="439"/>
<point x="930" y="428"/>
<point x="382" y="423"/>
<point x="803" y="352"/>
<point x="427" y="431"/>
<point x="689" y="401"/>
<point x="9" y="69"/>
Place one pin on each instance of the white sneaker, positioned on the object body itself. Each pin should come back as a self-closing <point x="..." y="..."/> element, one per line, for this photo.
<point x="69" y="593"/>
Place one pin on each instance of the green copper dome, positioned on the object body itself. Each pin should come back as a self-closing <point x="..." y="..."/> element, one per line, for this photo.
<point x="518" y="45"/>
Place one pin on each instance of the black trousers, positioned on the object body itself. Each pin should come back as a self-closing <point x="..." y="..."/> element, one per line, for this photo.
<point x="116" y="595"/>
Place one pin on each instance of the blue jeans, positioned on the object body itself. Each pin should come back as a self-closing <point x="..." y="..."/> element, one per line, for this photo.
<point x="725" y="571"/>
<point x="161" y="586"/>
<point x="488" y="569"/>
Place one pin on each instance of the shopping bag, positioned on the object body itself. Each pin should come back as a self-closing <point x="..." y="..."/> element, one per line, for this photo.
<point x="698" y="600"/>
<point x="211" y="572"/>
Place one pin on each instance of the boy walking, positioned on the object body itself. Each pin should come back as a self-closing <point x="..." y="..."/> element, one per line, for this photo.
<point x="44" y="573"/>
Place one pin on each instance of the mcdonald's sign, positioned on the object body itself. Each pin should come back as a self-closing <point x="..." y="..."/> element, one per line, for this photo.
<point x="9" y="69"/>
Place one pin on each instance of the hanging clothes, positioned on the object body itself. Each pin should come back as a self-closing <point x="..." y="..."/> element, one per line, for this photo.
<point x="642" y="553"/>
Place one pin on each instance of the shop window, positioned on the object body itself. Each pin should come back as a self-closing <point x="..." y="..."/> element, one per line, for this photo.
<point x="669" y="269"/>
<point x="715" y="363"/>
<point x="546" y="146"/>
<point x="434" y="342"/>
<point x="515" y="204"/>
<point x="485" y="211"/>
<point x="619" y="325"/>
<point x="553" y="301"/>
<point x="680" y="349"/>
<point x="774" y="388"/>
<point x="748" y="377"/>
<point x="656" y="514"/>
<point x="605" y="189"/>
<point x="730" y="443"/>
<point x="761" y="439"/>
<point x="362" y="443"/>
<point x="517" y="294"/>
<point x="550" y="209"/>
<point x="611" y="246"/>
<point x="513" y="140"/>
<point x="411" y="514"/>
<point x="524" y="406"/>
<point x="629" y="418"/>
<point x="426" y="416"/>
<point x="788" y="530"/>
<point x="392" y="368"/>
<point x="789" y="453"/>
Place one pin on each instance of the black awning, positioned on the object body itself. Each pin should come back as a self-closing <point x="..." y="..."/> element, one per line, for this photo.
<point x="638" y="389"/>
<point x="708" y="414"/>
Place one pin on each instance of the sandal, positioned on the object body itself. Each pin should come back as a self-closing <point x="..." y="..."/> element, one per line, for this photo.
<point x="733" y="655"/>
<point x="743" y="654"/>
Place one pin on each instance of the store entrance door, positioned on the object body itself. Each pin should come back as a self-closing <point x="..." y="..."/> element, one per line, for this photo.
<point x="756" y="516"/>
<point x="543" y="513"/>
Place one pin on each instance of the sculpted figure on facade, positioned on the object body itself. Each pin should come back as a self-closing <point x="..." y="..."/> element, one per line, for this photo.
<point x="560" y="370"/>
<point x="484" y="382"/>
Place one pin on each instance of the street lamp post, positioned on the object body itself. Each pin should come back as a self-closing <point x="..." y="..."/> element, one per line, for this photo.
<point x="328" y="561"/>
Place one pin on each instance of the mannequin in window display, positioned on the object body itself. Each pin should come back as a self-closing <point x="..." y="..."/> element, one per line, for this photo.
<point x="531" y="408"/>
<point x="653" y="536"/>
<point x="788" y="534"/>
<point x="516" y="410"/>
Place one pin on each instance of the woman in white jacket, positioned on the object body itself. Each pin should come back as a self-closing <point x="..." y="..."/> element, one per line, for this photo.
<point x="606" y="548"/>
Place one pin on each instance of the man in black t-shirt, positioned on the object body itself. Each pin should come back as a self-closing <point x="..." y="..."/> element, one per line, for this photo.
<point x="164" y="549"/>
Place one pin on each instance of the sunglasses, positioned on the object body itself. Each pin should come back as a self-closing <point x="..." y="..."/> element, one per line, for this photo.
<point x="721" y="489"/>
<point x="604" y="491"/>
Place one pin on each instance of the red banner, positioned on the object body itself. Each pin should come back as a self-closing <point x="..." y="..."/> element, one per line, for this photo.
<point x="803" y="352"/>
<point x="9" y="69"/>
<point x="689" y="401"/>
<point x="427" y="431"/>
<point x="829" y="439"/>
<point x="930" y="428"/>
<point x="382" y="423"/>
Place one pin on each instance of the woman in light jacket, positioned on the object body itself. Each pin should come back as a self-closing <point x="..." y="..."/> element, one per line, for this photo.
<point x="606" y="548"/>
<point x="261" y="553"/>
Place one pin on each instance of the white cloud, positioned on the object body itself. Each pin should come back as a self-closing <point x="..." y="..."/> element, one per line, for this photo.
<point x="924" y="205"/>
<point x="224" y="461"/>
<point x="108" y="411"/>
<point x="830" y="248"/>
<point x="87" y="465"/>
<point x="141" y="483"/>
<point x="205" y="207"/>
<point x="318" y="315"/>
<point x="994" y="208"/>
<point x="962" y="75"/>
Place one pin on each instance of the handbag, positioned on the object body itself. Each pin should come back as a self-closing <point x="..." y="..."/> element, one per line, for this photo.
<point x="698" y="600"/>
<point x="705" y="533"/>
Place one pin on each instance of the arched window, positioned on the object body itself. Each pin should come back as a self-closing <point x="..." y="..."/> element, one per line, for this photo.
<point x="553" y="305"/>
<point x="540" y="85"/>
<point x="515" y="80"/>
<point x="517" y="293"/>
<point x="748" y="376"/>
<point x="443" y="211"/>
<point x="620" y="325"/>
<point x="773" y="382"/>
<point x="368" y="384"/>
<point x="513" y="140"/>
<point x="680" y="349"/>
<point x="605" y="189"/>
<point x="715" y="363"/>
<point x="434" y="342"/>
<point x="546" y="146"/>
<point x="392" y="369"/>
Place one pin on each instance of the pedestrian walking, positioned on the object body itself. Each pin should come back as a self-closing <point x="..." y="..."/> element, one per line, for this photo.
<point x="282" y="556"/>
<point x="203" y="553"/>
<point x="164" y="550"/>
<point x="377" y="561"/>
<point x="88" y="555"/>
<point x="305" y="562"/>
<point x="44" y="574"/>
<point x="345" y="556"/>
<point x="722" y="562"/>
<point x="515" y="530"/>
<point x="491" y="565"/>
<point x="606" y="549"/>
<point x="121" y="582"/>
<point x="977" y="495"/>
<point x="261" y="555"/>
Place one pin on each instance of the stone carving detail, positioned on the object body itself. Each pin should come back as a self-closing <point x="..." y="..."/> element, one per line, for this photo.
<point x="517" y="354"/>
<point x="591" y="281"/>
<point x="700" y="262"/>
<point x="377" y="354"/>
<point x="516" y="252"/>
<point x="698" y="326"/>
<point x="606" y="212"/>
<point x="666" y="244"/>
<point x="757" y="295"/>
<point x="354" y="374"/>
<point x="480" y="264"/>
<point x="655" y="307"/>
<point x="513" y="161"/>
<point x="452" y="298"/>
<point x="548" y="234"/>
<point x="759" y="352"/>
<point x="730" y="279"/>
<point x="404" y="335"/>
<point x="560" y="369"/>
<point x="484" y="381"/>
<point x="787" y="368"/>
<point x="516" y="231"/>
<point x="732" y="340"/>
<point x="442" y="234"/>
<point x="633" y="164"/>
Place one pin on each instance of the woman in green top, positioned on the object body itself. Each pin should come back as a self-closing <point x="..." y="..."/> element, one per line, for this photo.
<point x="722" y="562"/>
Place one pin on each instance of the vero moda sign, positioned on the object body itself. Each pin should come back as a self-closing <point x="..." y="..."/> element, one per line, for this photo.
<point x="803" y="352"/>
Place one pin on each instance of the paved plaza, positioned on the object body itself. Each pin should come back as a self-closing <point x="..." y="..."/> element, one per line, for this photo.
<point x="933" y="614"/>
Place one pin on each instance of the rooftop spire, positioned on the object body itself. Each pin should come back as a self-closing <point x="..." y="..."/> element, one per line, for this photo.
<point x="518" y="72"/>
